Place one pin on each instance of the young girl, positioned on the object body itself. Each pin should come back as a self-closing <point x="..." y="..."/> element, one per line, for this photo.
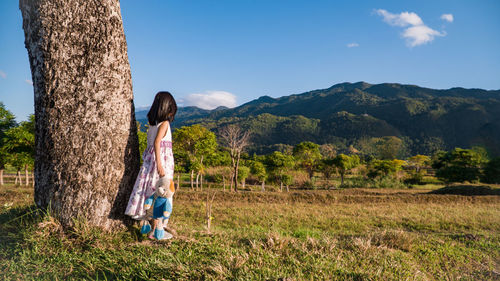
<point x="158" y="159"/>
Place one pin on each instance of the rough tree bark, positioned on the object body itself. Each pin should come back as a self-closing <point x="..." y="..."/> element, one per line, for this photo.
<point x="87" y="155"/>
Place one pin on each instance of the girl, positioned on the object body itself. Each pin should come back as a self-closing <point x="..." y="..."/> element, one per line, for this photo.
<point x="158" y="159"/>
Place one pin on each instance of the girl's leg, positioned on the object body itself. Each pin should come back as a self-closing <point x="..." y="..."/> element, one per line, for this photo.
<point x="152" y="233"/>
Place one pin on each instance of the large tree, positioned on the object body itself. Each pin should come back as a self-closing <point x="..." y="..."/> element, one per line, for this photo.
<point x="85" y="134"/>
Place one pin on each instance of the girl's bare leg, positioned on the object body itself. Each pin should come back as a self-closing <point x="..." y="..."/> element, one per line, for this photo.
<point x="152" y="233"/>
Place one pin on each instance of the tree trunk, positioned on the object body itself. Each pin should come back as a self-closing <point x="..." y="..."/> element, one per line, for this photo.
<point x="201" y="181"/>
<point x="341" y="178"/>
<point x="233" y="165"/>
<point x="223" y="183"/>
<point x="232" y="181"/>
<point x="192" y="179"/>
<point x="281" y="186"/>
<point x="197" y="177"/>
<point x="87" y="152"/>
<point x="1" y="177"/>
<point x="26" y="176"/>
<point x="236" y="171"/>
<point x="178" y="182"/>
<point x="18" y="176"/>
<point x="263" y="187"/>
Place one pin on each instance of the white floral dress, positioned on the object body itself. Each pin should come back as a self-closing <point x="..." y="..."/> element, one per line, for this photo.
<point x="148" y="176"/>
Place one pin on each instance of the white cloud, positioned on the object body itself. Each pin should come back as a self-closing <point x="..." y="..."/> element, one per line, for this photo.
<point x="210" y="99"/>
<point x="3" y="74"/>
<point x="416" y="32"/>
<point x="447" y="17"/>
<point x="352" y="45"/>
<point x="28" y="81"/>
<point x="420" y="34"/>
<point x="403" y="19"/>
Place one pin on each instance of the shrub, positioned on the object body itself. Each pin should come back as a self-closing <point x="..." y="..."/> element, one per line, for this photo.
<point x="492" y="171"/>
<point x="414" y="178"/>
<point x="309" y="184"/>
<point x="459" y="165"/>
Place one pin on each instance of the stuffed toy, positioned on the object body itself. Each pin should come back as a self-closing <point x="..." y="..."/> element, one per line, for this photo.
<point x="158" y="208"/>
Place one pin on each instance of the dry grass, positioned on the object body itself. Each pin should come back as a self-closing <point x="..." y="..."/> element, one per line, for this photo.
<point x="352" y="234"/>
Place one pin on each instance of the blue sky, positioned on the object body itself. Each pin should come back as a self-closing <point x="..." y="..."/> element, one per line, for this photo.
<point x="228" y="52"/>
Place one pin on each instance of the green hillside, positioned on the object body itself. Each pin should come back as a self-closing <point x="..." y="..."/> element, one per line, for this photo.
<point x="426" y="119"/>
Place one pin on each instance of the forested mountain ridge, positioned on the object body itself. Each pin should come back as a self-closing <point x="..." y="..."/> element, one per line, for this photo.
<point x="347" y="113"/>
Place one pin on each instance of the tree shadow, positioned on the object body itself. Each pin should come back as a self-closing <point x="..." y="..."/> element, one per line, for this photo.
<point x="131" y="160"/>
<point x="13" y="225"/>
<point x="467" y="190"/>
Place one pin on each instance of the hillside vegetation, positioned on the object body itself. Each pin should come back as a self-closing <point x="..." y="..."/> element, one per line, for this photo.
<point x="427" y="120"/>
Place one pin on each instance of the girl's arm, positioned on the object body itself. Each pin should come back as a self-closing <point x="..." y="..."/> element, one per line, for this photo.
<point x="162" y="131"/>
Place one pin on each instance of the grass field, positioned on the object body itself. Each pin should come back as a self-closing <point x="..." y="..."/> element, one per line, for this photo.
<point x="347" y="234"/>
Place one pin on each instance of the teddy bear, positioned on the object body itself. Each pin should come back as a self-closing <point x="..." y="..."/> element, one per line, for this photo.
<point x="158" y="208"/>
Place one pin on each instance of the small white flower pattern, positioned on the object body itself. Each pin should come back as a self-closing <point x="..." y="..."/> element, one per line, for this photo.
<point x="148" y="174"/>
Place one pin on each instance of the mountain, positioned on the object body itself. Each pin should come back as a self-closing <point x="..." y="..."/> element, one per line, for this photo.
<point x="426" y="119"/>
<point x="183" y="115"/>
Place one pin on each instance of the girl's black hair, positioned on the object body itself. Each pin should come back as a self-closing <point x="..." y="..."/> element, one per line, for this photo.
<point x="164" y="108"/>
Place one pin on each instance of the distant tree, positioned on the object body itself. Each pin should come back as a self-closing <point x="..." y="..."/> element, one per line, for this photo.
<point x="243" y="173"/>
<point x="19" y="145"/>
<point x="385" y="148"/>
<point x="328" y="150"/>
<point x="287" y="180"/>
<point x="235" y="139"/>
<point x="418" y="161"/>
<point x="307" y="155"/>
<point x="431" y="145"/>
<point x="194" y="144"/>
<point x="389" y="147"/>
<point x="279" y="164"/>
<point x="492" y="171"/>
<point x="258" y="169"/>
<point x="345" y="163"/>
<point x="143" y="139"/>
<point x="384" y="168"/>
<point x="219" y="158"/>
<point x="7" y="121"/>
<point x="481" y="152"/>
<point x="327" y="167"/>
<point x="459" y="165"/>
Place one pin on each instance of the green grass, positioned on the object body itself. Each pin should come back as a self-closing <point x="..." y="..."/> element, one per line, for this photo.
<point x="346" y="234"/>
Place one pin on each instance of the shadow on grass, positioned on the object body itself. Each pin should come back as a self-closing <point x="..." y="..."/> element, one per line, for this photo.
<point x="14" y="222"/>
<point x="468" y="190"/>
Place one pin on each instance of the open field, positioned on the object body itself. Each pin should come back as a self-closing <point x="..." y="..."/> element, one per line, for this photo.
<point x="347" y="234"/>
